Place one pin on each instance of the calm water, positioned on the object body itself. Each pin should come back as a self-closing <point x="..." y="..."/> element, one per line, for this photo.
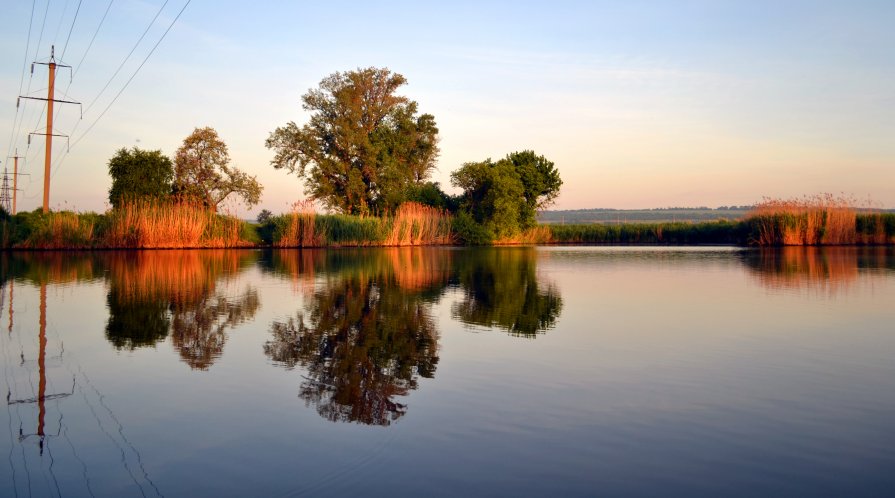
<point x="419" y="372"/>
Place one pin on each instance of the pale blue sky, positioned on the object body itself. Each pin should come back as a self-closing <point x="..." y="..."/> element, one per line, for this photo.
<point x="640" y="104"/>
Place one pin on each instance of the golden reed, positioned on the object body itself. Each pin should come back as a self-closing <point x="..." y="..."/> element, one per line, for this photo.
<point x="153" y="224"/>
<point x="821" y="219"/>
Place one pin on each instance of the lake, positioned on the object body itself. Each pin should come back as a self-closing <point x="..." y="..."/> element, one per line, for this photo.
<point x="550" y="371"/>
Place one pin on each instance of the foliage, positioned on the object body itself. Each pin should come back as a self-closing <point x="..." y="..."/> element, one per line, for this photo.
<point x="263" y="216"/>
<point x="139" y="173"/>
<point x="504" y="196"/>
<point x="430" y="194"/>
<point x="202" y="171"/>
<point x="467" y="231"/>
<point x="363" y="146"/>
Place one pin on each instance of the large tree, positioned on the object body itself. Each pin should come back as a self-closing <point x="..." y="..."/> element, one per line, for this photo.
<point x="503" y="197"/>
<point x="202" y="171"/>
<point x="363" y="147"/>
<point x="139" y="173"/>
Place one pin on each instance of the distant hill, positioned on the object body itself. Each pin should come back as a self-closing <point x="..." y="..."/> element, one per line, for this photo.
<point x="602" y="215"/>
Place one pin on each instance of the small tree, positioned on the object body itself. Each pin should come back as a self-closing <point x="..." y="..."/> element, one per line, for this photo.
<point x="139" y="173"/>
<point x="202" y="171"/>
<point x="503" y="197"/>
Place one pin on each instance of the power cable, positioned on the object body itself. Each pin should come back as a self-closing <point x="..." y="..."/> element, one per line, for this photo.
<point x="61" y="18"/>
<point x="73" y="21"/>
<point x="120" y="66"/>
<point x="112" y="78"/>
<point x="21" y="79"/>
<point x="165" y="34"/>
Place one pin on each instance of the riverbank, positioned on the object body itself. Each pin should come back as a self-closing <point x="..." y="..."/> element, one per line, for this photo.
<point x="146" y="225"/>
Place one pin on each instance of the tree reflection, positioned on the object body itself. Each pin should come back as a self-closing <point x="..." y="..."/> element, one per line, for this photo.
<point x="199" y="327"/>
<point x="501" y="289"/>
<point x="363" y="338"/>
<point x="156" y="293"/>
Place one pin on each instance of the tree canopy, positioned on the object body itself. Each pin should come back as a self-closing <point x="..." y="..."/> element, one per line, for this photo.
<point x="139" y="173"/>
<point x="202" y="171"/>
<point x="363" y="147"/>
<point x="503" y="197"/>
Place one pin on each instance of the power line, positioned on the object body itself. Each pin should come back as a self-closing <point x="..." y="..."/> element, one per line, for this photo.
<point x="21" y="79"/>
<point x="81" y="137"/>
<point x="90" y="45"/>
<point x="120" y="66"/>
<point x="73" y="21"/>
<point x="90" y="105"/>
<point x="59" y="26"/>
<point x="78" y="68"/>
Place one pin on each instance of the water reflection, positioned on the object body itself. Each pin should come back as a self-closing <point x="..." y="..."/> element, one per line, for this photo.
<point x="154" y="293"/>
<point x="826" y="269"/>
<point x="501" y="288"/>
<point x="364" y="336"/>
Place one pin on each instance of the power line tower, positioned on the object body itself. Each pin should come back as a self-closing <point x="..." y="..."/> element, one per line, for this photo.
<point x="50" y="100"/>
<point x="15" y="179"/>
<point x="5" y="197"/>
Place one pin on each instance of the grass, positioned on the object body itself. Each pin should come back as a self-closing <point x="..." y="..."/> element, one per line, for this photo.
<point x="716" y="232"/>
<point x="412" y="225"/>
<point x="817" y="220"/>
<point x="140" y="224"/>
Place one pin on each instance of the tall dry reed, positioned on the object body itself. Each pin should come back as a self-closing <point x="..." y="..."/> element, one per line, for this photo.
<point x="301" y="229"/>
<point x="821" y="219"/>
<point x="415" y="224"/>
<point x="153" y="224"/>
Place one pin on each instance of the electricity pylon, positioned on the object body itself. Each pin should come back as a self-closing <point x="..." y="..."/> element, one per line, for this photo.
<point x="50" y="100"/>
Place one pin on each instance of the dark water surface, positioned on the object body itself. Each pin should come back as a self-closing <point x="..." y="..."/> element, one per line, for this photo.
<point x="419" y="372"/>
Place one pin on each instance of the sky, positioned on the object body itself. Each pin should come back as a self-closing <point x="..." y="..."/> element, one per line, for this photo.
<point x="640" y="104"/>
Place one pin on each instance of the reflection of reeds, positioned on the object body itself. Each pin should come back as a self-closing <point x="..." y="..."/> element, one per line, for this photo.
<point x="828" y="269"/>
<point x="182" y="276"/>
<point x="811" y="220"/>
<point x="418" y="268"/>
<point x="51" y="267"/>
<point x="411" y="268"/>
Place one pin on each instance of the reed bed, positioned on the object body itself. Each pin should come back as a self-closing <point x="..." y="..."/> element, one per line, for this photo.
<point x="712" y="232"/>
<point x="415" y="224"/>
<point x="821" y="219"/>
<point x="300" y="229"/>
<point x="152" y="224"/>
<point x="60" y="230"/>
<point x="875" y="228"/>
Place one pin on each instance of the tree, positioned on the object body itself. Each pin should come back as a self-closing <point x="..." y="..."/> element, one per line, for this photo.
<point x="139" y="173"/>
<point x="503" y="197"/>
<point x="202" y="171"/>
<point x="363" y="146"/>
